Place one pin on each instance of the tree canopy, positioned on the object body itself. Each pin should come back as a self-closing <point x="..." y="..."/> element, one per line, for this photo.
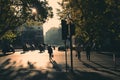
<point x="14" y="13"/>
<point x="96" y="20"/>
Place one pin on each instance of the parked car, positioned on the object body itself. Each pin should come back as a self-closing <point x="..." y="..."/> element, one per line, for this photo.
<point x="26" y="47"/>
<point x="61" y="48"/>
<point x="8" y="48"/>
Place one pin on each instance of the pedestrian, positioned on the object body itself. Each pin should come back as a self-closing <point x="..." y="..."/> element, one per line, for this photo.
<point x="50" y="52"/>
<point x="88" y="50"/>
<point x="79" y="49"/>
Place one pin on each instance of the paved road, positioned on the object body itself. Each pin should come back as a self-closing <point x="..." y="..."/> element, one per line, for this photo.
<point x="34" y="65"/>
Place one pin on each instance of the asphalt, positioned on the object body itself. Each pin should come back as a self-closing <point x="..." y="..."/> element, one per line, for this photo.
<point x="100" y="67"/>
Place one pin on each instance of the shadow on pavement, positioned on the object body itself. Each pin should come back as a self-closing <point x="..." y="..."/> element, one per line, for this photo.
<point x="1" y="54"/>
<point x="114" y="69"/>
<point x="10" y="72"/>
<point x="55" y="65"/>
<point x="107" y="70"/>
<point x="80" y="75"/>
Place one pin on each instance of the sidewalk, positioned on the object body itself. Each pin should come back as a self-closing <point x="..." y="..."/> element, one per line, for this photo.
<point x="101" y="67"/>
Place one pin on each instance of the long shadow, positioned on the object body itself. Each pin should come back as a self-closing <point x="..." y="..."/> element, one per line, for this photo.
<point x="23" y="74"/>
<point x="55" y="65"/>
<point x="94" y="68"/>
<point x="5" y="63"/>
<point x="10" y="72"/>
<point x="105" y="67"/>
<point x="88" y="65"/>
<point x="31" y="73"/>
<point x="80" y="75"/>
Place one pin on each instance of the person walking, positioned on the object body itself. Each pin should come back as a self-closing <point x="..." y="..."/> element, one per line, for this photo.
<point x="50" y="52"/>
<point x="79" y="49"/>
<point x="88" y="50"/>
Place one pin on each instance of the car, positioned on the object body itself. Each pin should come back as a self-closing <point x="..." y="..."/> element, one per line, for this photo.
<point x="62" y="48"/>
<point x="8" y="48"/>
<point x="26" y="47"/>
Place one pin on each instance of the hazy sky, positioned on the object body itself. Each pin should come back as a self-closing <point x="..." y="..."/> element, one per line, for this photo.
<point x="53" y="22"/>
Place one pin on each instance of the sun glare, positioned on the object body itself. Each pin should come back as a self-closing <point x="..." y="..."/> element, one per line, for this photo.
<point x="34" y="11"/>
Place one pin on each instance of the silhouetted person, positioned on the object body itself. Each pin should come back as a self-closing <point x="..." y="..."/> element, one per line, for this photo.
<point x="79" y="49"/>
<point x="88" y="49"/>
<point x="50" y="52"/>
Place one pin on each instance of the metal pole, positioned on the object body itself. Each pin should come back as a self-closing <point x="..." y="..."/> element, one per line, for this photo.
<point x="71" y="54"/>
<point x="66" y="55"/>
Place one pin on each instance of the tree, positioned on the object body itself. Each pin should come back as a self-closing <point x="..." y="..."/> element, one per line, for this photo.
<point x="9" y="36"/>
<point x="96" y="20"/>
<point x="14" y="13"/>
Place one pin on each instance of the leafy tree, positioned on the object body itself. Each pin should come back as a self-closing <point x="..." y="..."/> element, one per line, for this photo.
<point x="95" y="20"/>
<point x="9" y="35"/>
<point x="14" y="13"/>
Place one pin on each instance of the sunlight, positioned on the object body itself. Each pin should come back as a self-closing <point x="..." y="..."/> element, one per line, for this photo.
<point x="34" y="11"/>
<point x="31" y="59"/>
<point x="54" y="22"/>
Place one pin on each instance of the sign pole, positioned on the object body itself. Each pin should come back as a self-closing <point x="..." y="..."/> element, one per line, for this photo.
<point x="65" y="55"/>
<point x="71" y="54"/>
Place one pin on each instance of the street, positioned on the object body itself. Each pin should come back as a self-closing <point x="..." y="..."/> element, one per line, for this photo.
<point x="33" y="65"/>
